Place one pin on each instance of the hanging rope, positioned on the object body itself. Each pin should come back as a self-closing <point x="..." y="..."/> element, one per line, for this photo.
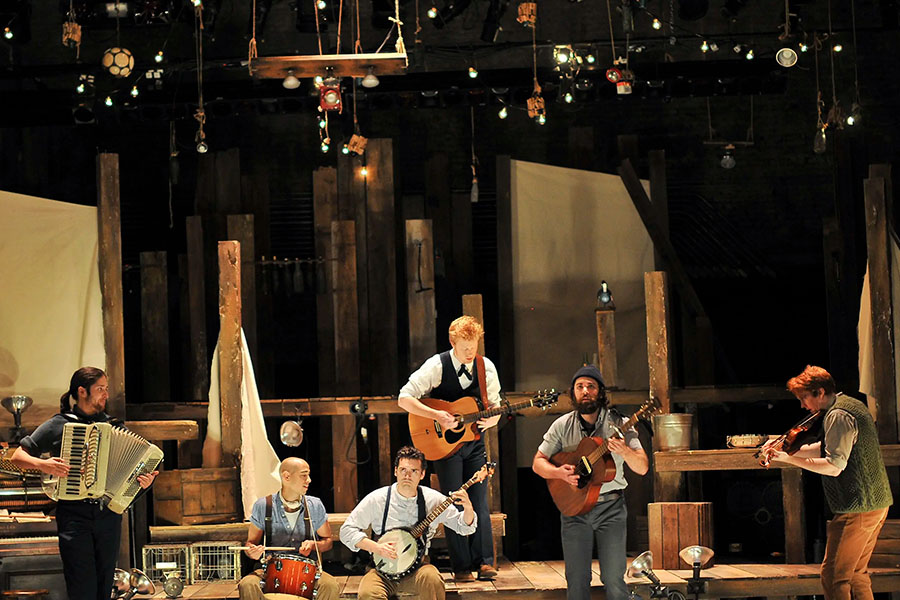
<point x="340" y="20"/>
<point x="357" y="47"/>
<point x="399" y="46"/>
<point x="252" y="53"/>
<point x="612" y="40"/>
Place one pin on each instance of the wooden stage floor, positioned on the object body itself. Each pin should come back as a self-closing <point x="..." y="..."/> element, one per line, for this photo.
<point x="538" y="580"/>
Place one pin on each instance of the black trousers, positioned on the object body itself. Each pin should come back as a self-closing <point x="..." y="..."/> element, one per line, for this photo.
<point x="468" y="551"/>
<point x="89" y="546"/>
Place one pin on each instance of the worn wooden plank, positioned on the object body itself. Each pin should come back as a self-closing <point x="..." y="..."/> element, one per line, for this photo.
<point x="472" y="305"/>
<point x="199" y="361"/>
<point x="343" y="435"/>
<point x="656" y="298"/>
<point x="509" y="577"/>
<point x="155" y="326"/>
<point x="794" y="515"/>
<point x="160" y="534"/>
<point x="606" y="346"/>
<point x="381" y="267"/>
<point x="230" y="362"/>
<point x="241" y="228"/>
<point x="346" y="308"/>
<point x="506" y="321"/>
<point x="877" y="246"/>
<point x="385" y="456"/>
<point x="109" y="259"/>
<point x="324" y="202"/>
<point x="165" y="430"/>
<point x="541" y="576"/>
<point x="420" y="292"/>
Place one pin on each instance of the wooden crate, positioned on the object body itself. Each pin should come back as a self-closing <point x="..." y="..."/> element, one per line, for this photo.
<point x="676" y="525"/>
<point x="887" y="547"/>
<point x="197" y="496"/>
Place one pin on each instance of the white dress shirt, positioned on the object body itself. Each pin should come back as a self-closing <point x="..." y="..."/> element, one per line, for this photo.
<point x="428" y="376"/>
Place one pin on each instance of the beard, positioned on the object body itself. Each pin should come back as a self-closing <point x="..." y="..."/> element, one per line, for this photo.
<point x="586" y="407"/>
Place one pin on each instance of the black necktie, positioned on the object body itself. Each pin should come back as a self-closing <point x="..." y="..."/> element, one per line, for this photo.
<point x="464" y="371"/>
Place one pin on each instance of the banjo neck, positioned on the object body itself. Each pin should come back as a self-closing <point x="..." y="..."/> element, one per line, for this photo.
<point x="420" y="528"/>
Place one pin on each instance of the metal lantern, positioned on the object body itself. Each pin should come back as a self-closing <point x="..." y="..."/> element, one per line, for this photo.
<point x="118" y="61"/>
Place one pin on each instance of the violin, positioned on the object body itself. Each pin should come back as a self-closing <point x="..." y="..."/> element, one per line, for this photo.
<point x="804" y="432"/>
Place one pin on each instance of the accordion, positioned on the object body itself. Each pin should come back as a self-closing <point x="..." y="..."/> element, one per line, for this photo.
<point x="104" y="464"/>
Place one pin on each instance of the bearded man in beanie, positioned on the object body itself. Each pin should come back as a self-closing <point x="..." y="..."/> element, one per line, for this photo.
<point x="605" y="522"/>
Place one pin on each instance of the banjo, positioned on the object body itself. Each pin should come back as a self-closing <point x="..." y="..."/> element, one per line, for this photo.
<point x="410" y="541"/>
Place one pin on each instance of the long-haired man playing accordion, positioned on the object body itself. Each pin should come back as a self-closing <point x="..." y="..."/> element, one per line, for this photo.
<point x="88" y="533"/>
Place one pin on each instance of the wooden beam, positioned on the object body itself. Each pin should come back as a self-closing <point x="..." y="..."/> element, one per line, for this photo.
<point x="385" y="456"/>
<point x="324" y="200"/>
<point x="420" y="292"/>
<point x="155" y="325"/>
<point x="199" y="361"/>
<point x="343" y="436"/>
<point x="381" y="267"/>
<point x="794" y="515"/>
<point x="472" y="305"/>
<point x="606" y="346"/>
<point x="337" y="65"/>
<point x="346" y="315"/>
<point x="877" y="246"/>
<point x="241" y="228"/>
<point x="110" y="267"/>
<point x="505" y="291"/>
<point x="230" y="361"/>
<point x="160" y="431"/>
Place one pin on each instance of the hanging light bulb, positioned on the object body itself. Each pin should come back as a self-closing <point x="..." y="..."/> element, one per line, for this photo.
<point x="322" y="124"/>
<point x="855" y="114"/>
<point x="370" y="80"/>
<point x="704" y="47"/>
<point x="503" y="113"/>
<point x="803" y="47"/>
<point x="135" y="92"/>
<point x="159" y="57"/>
<point x="7" y="33"/>
<point x="820" y="143"/>
<point x="837" y="48"/>
<point x="364" y="171"/>
<point x="749" y="55"/>
<point x="345" y="149"/>
<point x="591" y="59"/>
<point x="786" y="57"/>
<point x="473" y="73"/>
<point x="324" y="147"/>
<point x="542" y="119"/>
<point x="108" y="101"/>
<point x="318" y="79"/>
<point x="80" y="88"/>
<point x="569" y="98"/>
<point x="473" y="193"/>
<point x="290" y="82"/>
<point x="202" y="147"/>
<point x="656" y="24"/>
<point x="432" y="12"/>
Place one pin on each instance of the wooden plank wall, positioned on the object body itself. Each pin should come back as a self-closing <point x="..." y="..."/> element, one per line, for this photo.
<point x="155" y="327"/>
<point x="230" y="362"/>
<point x="324" y="208"/>
<point x="420" y="292"/>
<point x="198" y="358"/>
<point x="241" y="229"/>
<point x="507" y="363"/>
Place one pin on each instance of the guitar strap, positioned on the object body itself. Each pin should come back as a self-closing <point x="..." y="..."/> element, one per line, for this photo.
<point x="482" y="398"/>
<point x="420" y="501"/>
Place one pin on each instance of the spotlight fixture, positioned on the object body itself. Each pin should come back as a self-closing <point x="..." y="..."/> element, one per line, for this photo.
<point x="727" y="161"/>
<point x="291" y="433"/>
<point x="159" y="57"/>
<point x="473" y="73"/>
<point x="604" y="297"/>
<point x="16" y="405"/>
<point x="786" y="57"/>
<point x="370" y="80"/>
<point x="697" y="557"/>
<point x="562" y="54"/>
<point x="656" y="24"/>
<point x="432" y="12"/>
<point x="290" y="82"/>
<point x="330" y="95"/>
<point x="503" y="113"/>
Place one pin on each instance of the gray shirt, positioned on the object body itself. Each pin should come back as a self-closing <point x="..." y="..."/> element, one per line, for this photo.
<point x="566" y="432"/>
<point x="840" y="435"/>
<point x="403" y="512"/>
<point x="283" y="534"/>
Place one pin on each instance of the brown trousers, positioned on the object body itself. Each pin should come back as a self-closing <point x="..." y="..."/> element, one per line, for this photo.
<point x="249" y="589"/>
<point x="851" y="540"/>
<point x="426" y="581"/>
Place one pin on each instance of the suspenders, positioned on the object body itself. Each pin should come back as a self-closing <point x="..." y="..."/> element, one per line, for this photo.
<point x="420" y="500"/>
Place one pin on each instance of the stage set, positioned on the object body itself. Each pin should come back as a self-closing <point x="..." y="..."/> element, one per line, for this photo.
<point x="278" y="233"/>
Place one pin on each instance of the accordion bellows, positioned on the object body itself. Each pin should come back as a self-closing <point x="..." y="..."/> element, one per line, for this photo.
<point x="104" y="463"/>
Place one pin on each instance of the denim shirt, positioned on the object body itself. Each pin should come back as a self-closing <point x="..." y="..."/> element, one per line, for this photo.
<point x="282" y="532"/>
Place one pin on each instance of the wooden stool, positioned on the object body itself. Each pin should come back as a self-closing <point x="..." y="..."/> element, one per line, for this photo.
<point x="25" y="594"/>
<point x="673" y="526"/>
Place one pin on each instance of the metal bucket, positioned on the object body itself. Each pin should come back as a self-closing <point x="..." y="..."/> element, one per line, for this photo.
<point x="673" y="431"/>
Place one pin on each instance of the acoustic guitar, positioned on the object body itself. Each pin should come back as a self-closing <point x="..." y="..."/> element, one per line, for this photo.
<point x="436" y="442"/>
<point x="410" y="541"/>
<point x="594" y="466"/>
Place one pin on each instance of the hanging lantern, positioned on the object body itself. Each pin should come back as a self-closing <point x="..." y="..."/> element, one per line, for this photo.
<point x="118" y="61"/>
<point x="536" y="107"/>
<point x="357" y="144"/>
<point x="71" y="36"/>
<point x="527" y="14"/>
<point x="330" y="94"/>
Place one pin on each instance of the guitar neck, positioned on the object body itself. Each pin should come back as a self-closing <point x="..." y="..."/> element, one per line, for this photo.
<point x="423" y="525"/>
<point x="603" y="449"/>
<point x="492" y="412"/>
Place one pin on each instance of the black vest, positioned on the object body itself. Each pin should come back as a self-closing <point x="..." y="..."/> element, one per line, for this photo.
<point x="449" y="390"/>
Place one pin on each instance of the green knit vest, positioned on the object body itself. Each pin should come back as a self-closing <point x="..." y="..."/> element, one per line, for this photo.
<point x="863" y="484"/>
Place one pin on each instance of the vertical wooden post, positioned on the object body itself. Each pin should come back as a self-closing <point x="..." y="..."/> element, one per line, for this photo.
<point x="473" y="306"/>
<point x="507" y="363"/>
<point x="381" y="268"/>
<point x="385" y="456"/>
<point x="346" y="361"/>
<point x="794" y="516"/>
<point x="155" y="326"/>
<point x="230" y="362"/>
<point x="351" y="205"/>
<point x="110" y="266"/>
<point x="667" y="486"/>
<point x="199" y="361"/>
<point x="877" y="245"/>
<point x="420" y="291"/>
<point x="241" y="229"/>
<point x="606" y="346"/>
<point x="109" y="259"/>
<point x="324" y="200"/>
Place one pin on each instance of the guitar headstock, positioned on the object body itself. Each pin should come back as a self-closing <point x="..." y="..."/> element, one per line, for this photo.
<point x="649" y="408"/>
<point x="486" y="470"/>
<point x="545" y="398"/>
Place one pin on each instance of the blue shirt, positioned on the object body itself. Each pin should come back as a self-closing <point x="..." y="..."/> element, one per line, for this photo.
<point x="282" y="532"/>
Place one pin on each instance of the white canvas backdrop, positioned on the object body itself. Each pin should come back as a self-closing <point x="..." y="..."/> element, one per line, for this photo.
<point x="51" y="320"/>
<point x="572" y="229"/>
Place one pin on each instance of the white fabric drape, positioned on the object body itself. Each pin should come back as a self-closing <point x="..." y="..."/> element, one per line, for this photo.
<point x="259" y="463"/>
<point x="51" y="319"/>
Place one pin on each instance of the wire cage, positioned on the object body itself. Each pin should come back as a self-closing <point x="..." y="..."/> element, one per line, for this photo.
<point x="214" y="561"/>
<point x="167" y="553"/>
